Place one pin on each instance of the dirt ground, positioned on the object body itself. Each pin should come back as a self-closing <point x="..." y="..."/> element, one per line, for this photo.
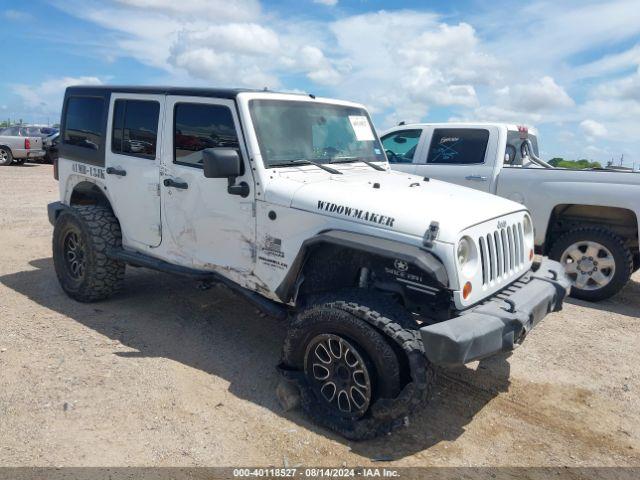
<point x="166" y="374"/>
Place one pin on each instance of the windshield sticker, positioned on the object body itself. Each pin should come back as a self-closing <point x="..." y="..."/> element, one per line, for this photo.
<point x="356" y="213"/>
<point x="446" y="150"/>
<point x="361" y="128"/>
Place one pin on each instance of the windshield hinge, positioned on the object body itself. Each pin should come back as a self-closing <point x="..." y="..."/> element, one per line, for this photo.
<point x="431" y="234"/>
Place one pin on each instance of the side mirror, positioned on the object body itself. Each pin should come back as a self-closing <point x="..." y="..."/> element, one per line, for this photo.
<point x="221" y="163"/>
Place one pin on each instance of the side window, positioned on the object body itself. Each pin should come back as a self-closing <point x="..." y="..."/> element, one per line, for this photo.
<point x="83" y="122"/>
<point x="458" y="146"/>
<point x="197" y="126"/>
<point x="135" y="128"/>
<point x="400" y="146"/>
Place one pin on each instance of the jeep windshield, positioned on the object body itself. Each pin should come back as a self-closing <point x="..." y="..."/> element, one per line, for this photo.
<point x="293" y="132"/>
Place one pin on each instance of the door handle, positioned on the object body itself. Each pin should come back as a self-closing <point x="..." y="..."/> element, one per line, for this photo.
<point x="115" y="171"/>
<point x="478" y="178"/>
<point x="170" y="182"/>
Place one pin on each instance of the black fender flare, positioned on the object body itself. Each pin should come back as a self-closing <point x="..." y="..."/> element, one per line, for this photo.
<point x="392" y="249"/>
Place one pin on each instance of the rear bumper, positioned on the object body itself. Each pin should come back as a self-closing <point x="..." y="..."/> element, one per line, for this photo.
<point x="501" y="323"/>
<point x="22" y="153"/>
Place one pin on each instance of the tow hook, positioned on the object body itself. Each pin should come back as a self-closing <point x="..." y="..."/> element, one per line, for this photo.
<point x="511" y="305"/>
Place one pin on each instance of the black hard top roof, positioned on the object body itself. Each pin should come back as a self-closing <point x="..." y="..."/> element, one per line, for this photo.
<point x="229" y="93"/>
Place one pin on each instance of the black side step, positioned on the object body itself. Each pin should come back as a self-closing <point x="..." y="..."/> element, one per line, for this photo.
<point x="267" y="306"/>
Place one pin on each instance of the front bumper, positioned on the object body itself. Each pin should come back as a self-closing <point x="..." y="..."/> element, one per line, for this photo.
<point x="502" y="322"/>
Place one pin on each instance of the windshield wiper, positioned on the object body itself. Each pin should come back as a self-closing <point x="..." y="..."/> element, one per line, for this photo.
<point x="367" y="162"/>
<point x="308" y="162"/>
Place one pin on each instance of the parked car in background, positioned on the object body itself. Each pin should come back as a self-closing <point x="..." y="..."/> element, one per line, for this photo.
<point x="586" y="219"/>
<point x="17" y="146"/>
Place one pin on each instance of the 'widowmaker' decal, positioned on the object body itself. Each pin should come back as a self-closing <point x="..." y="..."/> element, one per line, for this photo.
<point x="356" y="213"/>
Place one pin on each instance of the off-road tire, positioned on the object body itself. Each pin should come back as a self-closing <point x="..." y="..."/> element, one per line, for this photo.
<point x="621" y="253"/>
<point x="6" y="157"/>
<point x="97" y="229"/>
<point x="402" y="375"/>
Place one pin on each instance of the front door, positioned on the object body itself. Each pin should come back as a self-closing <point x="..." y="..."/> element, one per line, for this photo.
<point x="210" y="228"/>
<point x="465" y="156"/>
<point x="133" y="166"/>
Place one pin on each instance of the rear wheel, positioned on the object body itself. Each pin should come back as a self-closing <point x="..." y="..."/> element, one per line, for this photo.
<point x="6" y="158"/>
<point x="81" y="237"/>
<point x="360" y="373"/>
<point x="596" y="260"/>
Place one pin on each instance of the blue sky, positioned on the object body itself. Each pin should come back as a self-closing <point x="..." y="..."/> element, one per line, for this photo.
<point x="571" y="68"/>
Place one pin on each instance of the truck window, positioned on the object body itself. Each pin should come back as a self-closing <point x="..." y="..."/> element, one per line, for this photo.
<point x="83" y="122"/>
<point x="458" y="146"/>
<point x="400" y="146"/>
<point x="198" y="126"/>
<point x="135" y="128"/>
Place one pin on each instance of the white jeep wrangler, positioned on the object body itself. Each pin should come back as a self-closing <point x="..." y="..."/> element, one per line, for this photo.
<point x="289" y="201"/>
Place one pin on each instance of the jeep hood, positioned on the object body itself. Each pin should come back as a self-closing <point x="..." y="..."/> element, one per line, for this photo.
<point x="399" y="202"/>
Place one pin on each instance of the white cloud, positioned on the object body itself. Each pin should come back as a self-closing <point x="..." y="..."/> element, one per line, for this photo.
<point x="215" y="10"/>
<point x="542" y="95"/>
<point x="411" y="61"/>
<point x="330" y="3"/>
<point x="611" y="63"/>
<point x="47" y="96"/>
<point x="593" y="128"/>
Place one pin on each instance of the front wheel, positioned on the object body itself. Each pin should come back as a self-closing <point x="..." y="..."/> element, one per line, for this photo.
<point x="596" y="260"/>
<point x="361" y="373"/>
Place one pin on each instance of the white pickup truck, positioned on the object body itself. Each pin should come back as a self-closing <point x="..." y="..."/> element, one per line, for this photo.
<point x="587" y="219"/>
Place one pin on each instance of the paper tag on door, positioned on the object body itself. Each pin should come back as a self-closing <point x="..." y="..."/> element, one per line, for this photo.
<point x="361" y="128"/>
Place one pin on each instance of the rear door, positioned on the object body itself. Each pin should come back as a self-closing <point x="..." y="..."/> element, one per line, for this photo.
<point x="132" y="161"/>
<point x="465" y="156"/>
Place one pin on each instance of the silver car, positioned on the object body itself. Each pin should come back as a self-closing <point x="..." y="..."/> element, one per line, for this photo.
<point x="19" y="143"/>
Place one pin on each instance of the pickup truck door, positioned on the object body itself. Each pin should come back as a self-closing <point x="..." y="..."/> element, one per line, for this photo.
<point x="465" y="156"/>
<point x="402" y="147"/>
<point x="210" y="228"/>
<point x="132" y="161"/>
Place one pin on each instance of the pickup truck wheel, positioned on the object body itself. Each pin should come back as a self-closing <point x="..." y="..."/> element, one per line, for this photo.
<point x="81" y="236"/>
<point x="359" y="372"/>
<point x="6" y="158"/>
<point x="596" y="260"/>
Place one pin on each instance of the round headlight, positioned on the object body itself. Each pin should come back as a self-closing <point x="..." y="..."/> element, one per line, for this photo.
<point x="467" y="256"/>
<point x="464" y="251"/>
